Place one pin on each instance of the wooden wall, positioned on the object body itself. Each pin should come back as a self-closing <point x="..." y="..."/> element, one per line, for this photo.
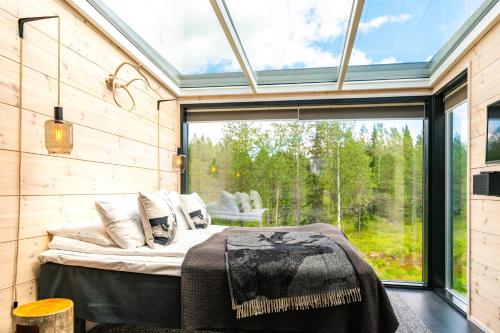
<point x="116" y="152"/>
<point x="483" y="63"/>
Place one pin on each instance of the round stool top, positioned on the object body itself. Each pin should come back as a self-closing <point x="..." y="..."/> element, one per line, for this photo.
<point x="43" y="307"/>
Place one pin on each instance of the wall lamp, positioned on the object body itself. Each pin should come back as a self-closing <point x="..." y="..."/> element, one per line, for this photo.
<point x="58" y="132"/>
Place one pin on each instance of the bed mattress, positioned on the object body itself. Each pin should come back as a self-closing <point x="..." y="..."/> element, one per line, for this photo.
<point x="159" y="261"/>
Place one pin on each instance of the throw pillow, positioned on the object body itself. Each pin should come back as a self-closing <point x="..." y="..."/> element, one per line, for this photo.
<point x="255" y="199"/>
<point x="158" y="219"/>
<point x="122" y="221"/>
<point x="175" y="201"/>
<point x="243" y="202"/>
<point x="195" y="211"/>
<point x="91" y="232"/>
<point x="228" y="202"/>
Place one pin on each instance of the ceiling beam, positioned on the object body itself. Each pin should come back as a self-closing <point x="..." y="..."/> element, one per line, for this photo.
<point x="227" y="25"/>
<point x="352" y="29"/>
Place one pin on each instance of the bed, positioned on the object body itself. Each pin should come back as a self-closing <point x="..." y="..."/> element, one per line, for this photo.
<point x="147" y="287"/>
<point x="85" y="273"/>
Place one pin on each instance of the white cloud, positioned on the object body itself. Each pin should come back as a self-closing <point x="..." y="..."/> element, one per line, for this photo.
<point x="275" y="34"/>
<point x="359" y="58"/>
<point x="377" y="22"/>
<point x="388" y="60"/>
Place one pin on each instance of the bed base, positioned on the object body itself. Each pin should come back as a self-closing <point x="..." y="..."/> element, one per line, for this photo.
<point x="114" y="297"/>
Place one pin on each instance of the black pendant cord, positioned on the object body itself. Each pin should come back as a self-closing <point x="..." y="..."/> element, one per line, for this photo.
<point x="20" y="24"/>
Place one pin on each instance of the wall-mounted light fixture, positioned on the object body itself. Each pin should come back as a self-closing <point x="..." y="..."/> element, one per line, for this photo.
<point x="58" y="132"/>
<point x="114" y="83"/>
<point x="179" y="161"/>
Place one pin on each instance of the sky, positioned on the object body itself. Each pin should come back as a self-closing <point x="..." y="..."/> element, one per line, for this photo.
<point x="279" y="34"/>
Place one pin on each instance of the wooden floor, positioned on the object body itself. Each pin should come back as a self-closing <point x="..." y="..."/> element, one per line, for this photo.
<point x="436" y="313"/>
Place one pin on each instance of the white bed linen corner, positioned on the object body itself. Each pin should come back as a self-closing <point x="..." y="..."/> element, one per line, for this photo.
<point x="165" y="260"/>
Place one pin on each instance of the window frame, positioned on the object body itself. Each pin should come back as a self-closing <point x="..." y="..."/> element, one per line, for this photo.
<point x="425" y="100"/>
<point x="437" y="196"/>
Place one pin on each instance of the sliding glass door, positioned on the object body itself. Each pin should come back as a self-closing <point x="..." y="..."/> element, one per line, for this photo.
<point x="364" y="175"/>
<point x="456" y="197"/>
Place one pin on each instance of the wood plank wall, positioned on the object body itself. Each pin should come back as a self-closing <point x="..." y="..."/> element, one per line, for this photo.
<point x="116" y="152"/>
<point x="483" y="63"/>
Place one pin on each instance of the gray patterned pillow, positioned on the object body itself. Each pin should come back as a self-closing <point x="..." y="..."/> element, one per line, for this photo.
<point x="158" y="219"/>
<point x="195" y="211"/>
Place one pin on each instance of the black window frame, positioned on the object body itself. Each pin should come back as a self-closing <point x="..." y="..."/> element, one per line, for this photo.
<point x="426" y="100"/>
<point x="437" y="193"/>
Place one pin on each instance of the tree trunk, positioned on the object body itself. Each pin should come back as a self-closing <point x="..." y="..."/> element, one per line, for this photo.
<point x="414" y="194"/>
<point x="359" y="221"/>
<point x="277" y="206"/>
<point x="339" y="216"/>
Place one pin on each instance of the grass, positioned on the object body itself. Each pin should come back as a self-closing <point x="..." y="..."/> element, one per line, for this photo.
<point x="459" y="282"/>
<point x="394" y="250"/>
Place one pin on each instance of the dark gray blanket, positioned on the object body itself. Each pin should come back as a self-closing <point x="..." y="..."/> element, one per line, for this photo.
<point x="206" y="301"/>
<point x="280" y="271"/>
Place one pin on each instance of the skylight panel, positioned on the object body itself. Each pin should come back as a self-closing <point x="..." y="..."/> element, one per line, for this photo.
<point x="291" y="35"/>
<point x="404" y="32"/>
<point x="184" y="33"/>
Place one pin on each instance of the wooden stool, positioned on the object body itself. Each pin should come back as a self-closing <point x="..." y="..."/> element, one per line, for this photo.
<point x="52" y="315"/>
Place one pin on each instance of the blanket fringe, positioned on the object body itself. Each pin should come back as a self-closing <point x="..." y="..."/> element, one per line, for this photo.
<point x="261" y="306"/>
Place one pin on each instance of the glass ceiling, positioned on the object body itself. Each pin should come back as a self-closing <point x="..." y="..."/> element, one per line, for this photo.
<point x="292" y="41"/>
<point x="406" y="32"/>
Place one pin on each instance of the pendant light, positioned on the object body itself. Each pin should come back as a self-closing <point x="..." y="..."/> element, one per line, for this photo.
<point x="58" y="132"/>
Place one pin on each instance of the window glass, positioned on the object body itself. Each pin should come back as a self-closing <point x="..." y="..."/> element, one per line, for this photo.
<point x="364" y="176"/>
<point x="456" y="197"/>
<point x="291" y="34"/>
<point x="185" y="33"/>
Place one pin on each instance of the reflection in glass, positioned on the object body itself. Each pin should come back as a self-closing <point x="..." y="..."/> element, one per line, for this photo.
<point x="364" y="176"/>
<point x="456" y="199"/>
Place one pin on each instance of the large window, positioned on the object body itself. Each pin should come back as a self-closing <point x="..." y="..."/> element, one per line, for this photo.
<point x="363" y="175"/>
<point x="456" y="196"/>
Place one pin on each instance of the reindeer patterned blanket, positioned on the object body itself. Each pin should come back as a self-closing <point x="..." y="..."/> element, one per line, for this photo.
<point x="288" y="270"/>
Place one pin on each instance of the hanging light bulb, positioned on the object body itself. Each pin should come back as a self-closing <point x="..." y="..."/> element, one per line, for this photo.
<point x="213" y="169"/>
<point x="179" y="161"/>
<point x="58" y="134"/>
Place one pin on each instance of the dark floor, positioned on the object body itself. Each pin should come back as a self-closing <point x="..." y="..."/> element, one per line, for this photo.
<point x="436" y="313"/>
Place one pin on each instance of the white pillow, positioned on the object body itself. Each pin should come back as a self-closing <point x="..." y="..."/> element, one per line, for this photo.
<point x="228" y="202"/>
<point x="243" y="202"/>
<point x="158" y="219"/>
<point x="122" y="221"/>
<point x="195" y="211"/>
<point x="90" y="231"/>
<point x="255" y="199"/>
<point x="174" y="199"/>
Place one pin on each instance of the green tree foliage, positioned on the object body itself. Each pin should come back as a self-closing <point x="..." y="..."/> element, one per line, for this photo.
<point x="310" y="172"/>
<point x="366" y="180"/>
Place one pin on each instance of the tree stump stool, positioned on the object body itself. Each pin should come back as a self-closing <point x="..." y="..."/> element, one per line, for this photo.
<point x="53" y="315"/>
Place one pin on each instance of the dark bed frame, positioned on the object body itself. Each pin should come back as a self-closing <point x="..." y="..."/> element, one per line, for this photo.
<point x="136" y="298"/>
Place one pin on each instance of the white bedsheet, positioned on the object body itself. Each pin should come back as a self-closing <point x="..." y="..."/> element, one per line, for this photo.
<point x="161" y="260"/>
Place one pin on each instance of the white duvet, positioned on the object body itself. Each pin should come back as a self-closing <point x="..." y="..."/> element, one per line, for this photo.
<point x="162" y="260"/>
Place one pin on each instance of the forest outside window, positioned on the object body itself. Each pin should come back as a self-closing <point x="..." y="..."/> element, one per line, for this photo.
<point x="364" y="175"/>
